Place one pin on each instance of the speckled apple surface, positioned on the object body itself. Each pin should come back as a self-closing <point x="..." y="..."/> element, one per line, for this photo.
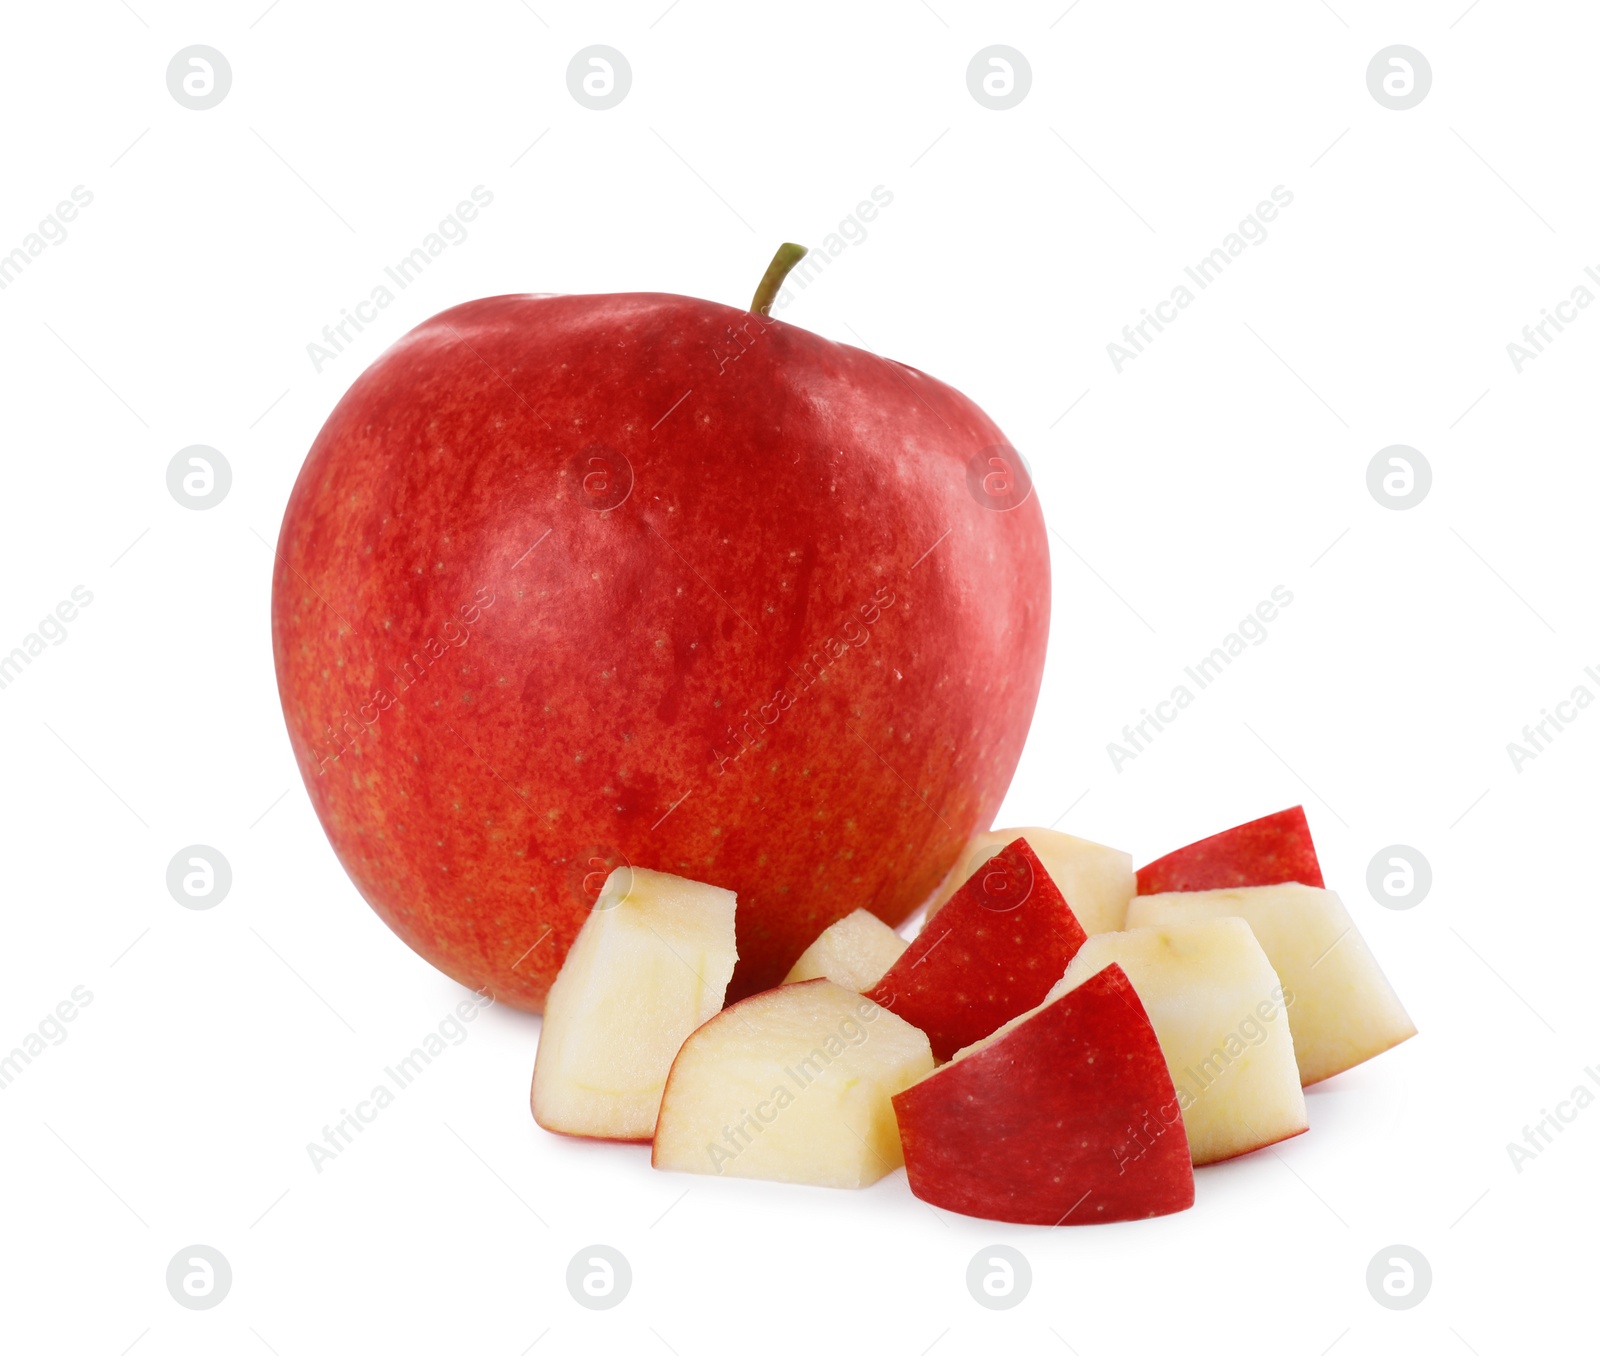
<point x="1274" y="849"/>
<point x="567" y="582"/>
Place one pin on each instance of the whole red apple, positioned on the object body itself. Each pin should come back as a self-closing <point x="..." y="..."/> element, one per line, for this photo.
<point x="570" y="582"/>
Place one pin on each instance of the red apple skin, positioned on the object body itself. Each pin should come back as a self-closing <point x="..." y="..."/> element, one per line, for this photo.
<point x="798" y="660"/>
<point x="1069" y="1118"/>
<point x="983" y="959"/>
<point x="1268" y="851"/>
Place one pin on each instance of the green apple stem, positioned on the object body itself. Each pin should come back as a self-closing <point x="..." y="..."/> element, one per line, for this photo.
<point x="787" y="257"/>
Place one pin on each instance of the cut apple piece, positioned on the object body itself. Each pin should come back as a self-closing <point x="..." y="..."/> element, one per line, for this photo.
<point x="989" y="955"/>
<point x="1344" y="1010"/>
<point x="650" y="964"/>
<point x="1267" y="851"/>
<point x="791" y="1085"/>
<point x="1096" y="881"/>
<point x="1065" y="1115"/>
<point x="854" y="953"/>
<point x="1218" y="1011"/>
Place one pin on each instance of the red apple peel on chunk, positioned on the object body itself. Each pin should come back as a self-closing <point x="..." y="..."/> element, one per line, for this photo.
<point x="1066" y="1115"/>
<point x="990" y="954"/>
<point x="1272" y="850"/>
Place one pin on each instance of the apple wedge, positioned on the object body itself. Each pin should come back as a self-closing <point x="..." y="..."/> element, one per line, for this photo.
<point x="989" y="955"/>
<point x="1344" y="1010"/>
<point x="854" y="953"/>
<point x="1097" y="881"/>
<point x="791" y="1085"/>
<point x="1065" y="1115"/>
<point x="1218" y="1012"/>
<point x="1266" y="851"/>
<point x="650" y="964"/>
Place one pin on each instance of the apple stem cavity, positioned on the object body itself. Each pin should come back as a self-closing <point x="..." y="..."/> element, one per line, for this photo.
<point x="787" y="257"/>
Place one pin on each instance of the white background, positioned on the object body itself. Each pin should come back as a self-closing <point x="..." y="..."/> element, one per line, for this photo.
<point x="1228" y="458"/>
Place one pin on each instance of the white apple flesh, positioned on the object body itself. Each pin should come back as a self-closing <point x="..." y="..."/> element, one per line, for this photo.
<point x="1218" y="1012"/>
<point x="650" y="964"/>
<point x="1097" y="881"/>
<point x="854" y="953"/>
<point x="1344" y="1010"/>
<point x="791" y="1085"/>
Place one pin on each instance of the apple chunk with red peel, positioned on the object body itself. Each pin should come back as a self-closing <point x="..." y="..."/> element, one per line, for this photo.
<point x="1344" y="1010"/>
<point x="1266" y="851"/>
<point x="854" y="953"/>
<point x="1096" y="880"/>
<point x="791" y="1085"/>
<point x="1065" y="1115"/>
<point x="1218" y="1010"/>
<point x="989" y="955"/>
<point x="650" y="964"/>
